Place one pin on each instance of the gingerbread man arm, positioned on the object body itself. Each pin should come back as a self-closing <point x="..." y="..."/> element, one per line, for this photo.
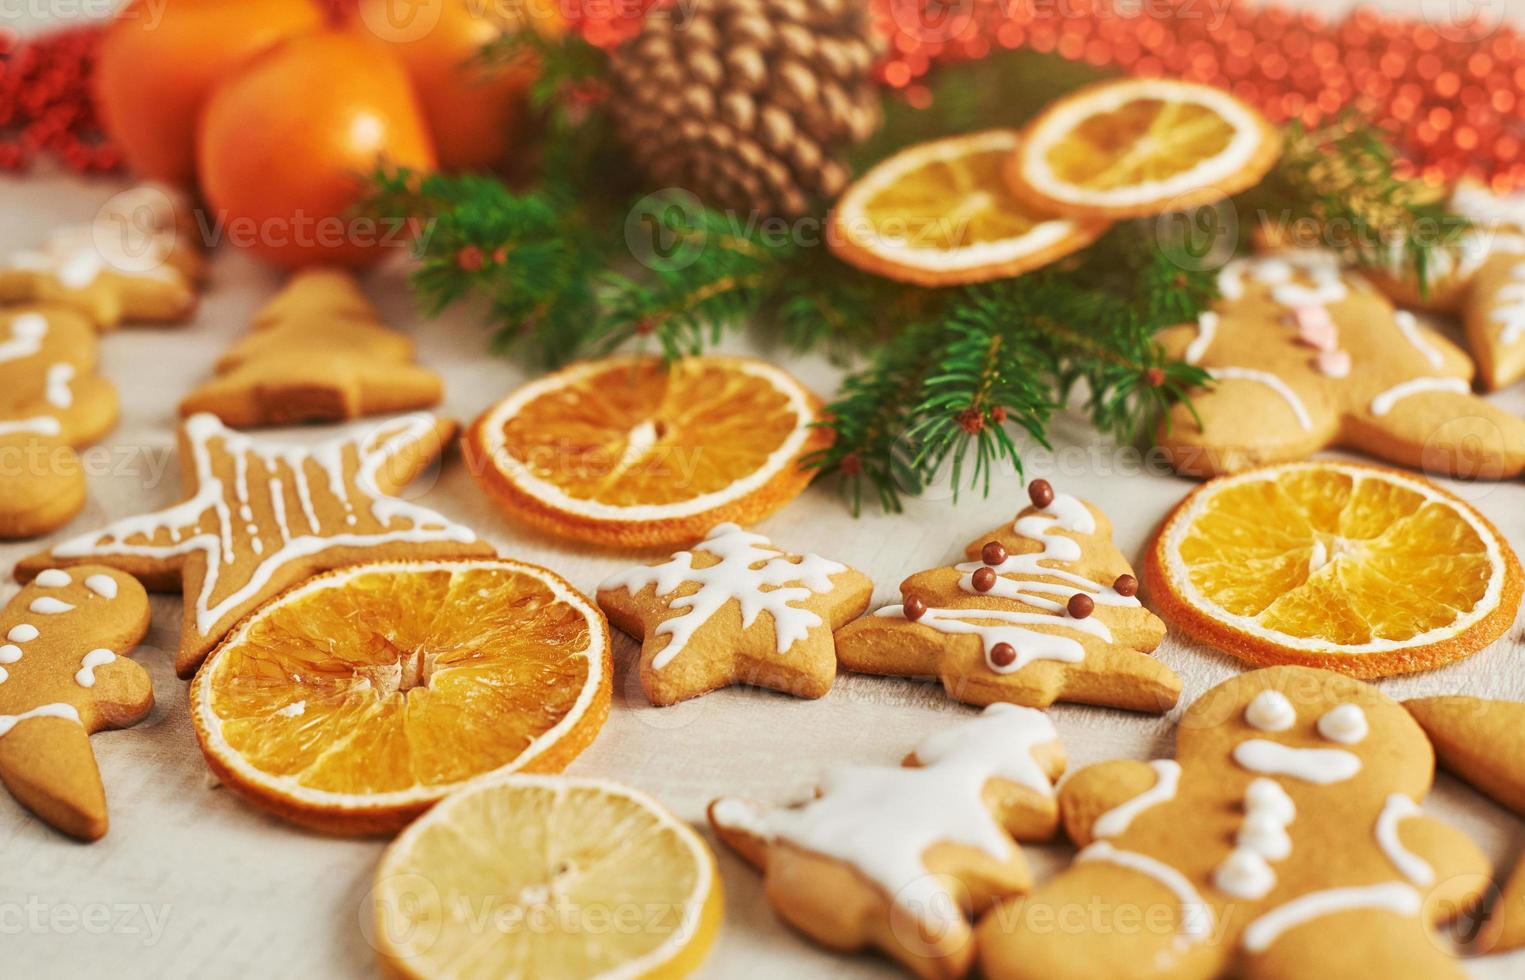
<point x="1459" y="872"/>
<point x="1440" y="429"/>
<point x="1101" y="789"/>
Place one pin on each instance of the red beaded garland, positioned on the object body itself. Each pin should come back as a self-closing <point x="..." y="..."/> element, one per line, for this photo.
<point x="45" y="105"/>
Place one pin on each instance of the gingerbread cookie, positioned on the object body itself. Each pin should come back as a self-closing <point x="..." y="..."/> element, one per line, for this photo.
<point x="63" y="678"/>
<point x="1046" y="610"/>
<point x="735" y="610"/>
<point x="260" y="516"/>
<point x="51" y="400"/>
<point x="319" y="353"/>
<point x="131" y="264"/>
<point x="1483" y="742"/>
<point x="898" y="858"/>
<point x="1305" y="357"/>
<point x="1285" y="839"/>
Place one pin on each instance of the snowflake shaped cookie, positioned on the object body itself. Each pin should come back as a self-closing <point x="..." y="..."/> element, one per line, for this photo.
<point x="735" y="610"/>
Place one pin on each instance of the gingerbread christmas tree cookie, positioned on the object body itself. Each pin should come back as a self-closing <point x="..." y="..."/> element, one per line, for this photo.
<point x="1046" y="610"/>
<point x="260" y="516"/>
<point x="897" y="858"/>
<point x="735" y="610"/>
<point x="51" y="400"/>
<point x="63" y="678"/>
<point x="1483" y="742"/>
<point x="1285" y="839"/>
<point x="1305" y="357"/>
<point x="319" y="353"/>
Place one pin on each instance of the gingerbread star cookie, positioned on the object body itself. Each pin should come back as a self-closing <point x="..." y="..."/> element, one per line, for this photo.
<point x="1046" y="610"/>
<point x="51" y="400"/>
<point x="63" y="678"/>
<point x="260" y="516"/>
<point x="1285" y="839"/>
<point x="897" y="858"/>
<point x="132" y="264"/>
<point x="319" y="353"/>
<point x="735" y="610"/>
<point x="1483" y="742"/>
<point x="1305" y="357"/>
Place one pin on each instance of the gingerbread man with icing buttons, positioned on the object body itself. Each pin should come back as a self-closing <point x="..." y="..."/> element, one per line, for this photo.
<point x="63" y="677"/>
<point x="1286" y="834"/>
<point x="1305" y="356"/>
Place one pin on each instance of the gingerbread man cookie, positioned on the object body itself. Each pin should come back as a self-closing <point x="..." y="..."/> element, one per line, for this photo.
<point x="261" y="516"/>
<point x="898" y="858"/>
<point x="63" y="677"/>
<point x="51" y="400"/>
<point x="133" y="263"/>
<point x="1284" y="840"/>
<point x="319" y="353"/>
<point x="1046" y="610"/>
<point x="1306" y="357"/>
<point x="734" y="610"/>
<point x="1483" y="742"/>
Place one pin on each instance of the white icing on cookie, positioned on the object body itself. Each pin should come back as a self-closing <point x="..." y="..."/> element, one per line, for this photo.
<point x="881" y="821"/>
<point x="1273" y="382"/>
<point x="1196" y="915"/>
<point x="27" y="333"/>
<point x="58" y="391"/>
<point x="40" y="425"/>
<point x="1509" y="313"/>
<point x="22" y="633"/>
<point x="1345" y="724"/>
<point x="1397" y="809"/>
<point x="1270" y="711"/>
<point x="64" y="711"/>
<point x="1394" y="897"/>
<point x="53" y="578"/>
<point x="102" y="585"/>
<point x="85" y="676"/>
<point x="1384" y="402"/>
<point x="1312" y="765"/>
<point x="1207" y="332"/>
<point x="1409" y="326"/>
<point x="49" y="606"/>
<point x="1167" y="777"/>
<point x="1246" y="873"/>
<point x="751" y="571"/>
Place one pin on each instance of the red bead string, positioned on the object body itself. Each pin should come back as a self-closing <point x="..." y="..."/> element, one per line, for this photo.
<point x="45" y="106"/>
<point x="1451" y="93"/>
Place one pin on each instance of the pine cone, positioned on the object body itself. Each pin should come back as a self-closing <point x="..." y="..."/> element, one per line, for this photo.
<point x="747" y="103"/>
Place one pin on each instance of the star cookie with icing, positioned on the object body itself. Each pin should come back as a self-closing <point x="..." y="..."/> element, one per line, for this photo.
<point x="319" y="353"/>
<point x="1285" y="839"/>
<point x="51" y="401"/>
<point x="898" y="859"/>
<point x="260" y="516"/>
<point x="1483" y="743"/>
<point x="1045" y="610"/>
<point x="1306" y="357"/>
<point x="63" y="677"/>
<point x="735" y="610"/>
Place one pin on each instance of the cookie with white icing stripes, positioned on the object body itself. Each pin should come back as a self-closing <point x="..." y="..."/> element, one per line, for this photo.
<point x="1305" y="357"/>
<point x="63" y="677"/>
<point x="260" y="515"/>
<point x="1284" y="840"/>
<point x="51" y="401"/>
<point x="735" y="610"/>
<point x="897" y="859"/>
<point x="1046" y="609"/>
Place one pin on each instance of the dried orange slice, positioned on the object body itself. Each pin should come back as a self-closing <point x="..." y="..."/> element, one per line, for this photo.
<point x="545" y="876"/>
<point x="1141" y="146"/>
<point x="1354" y="568"/>
<point x="635" y="452"/>
<point x="940" y="214"/>
<point x="356" y="700"/>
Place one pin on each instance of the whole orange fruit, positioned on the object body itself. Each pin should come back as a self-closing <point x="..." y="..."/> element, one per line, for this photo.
<point x="476" y="111"/>
<point x="286" y="145"/>
<point x="158" y="60"/>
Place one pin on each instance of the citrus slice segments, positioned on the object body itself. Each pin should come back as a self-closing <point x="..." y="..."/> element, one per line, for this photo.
<point x="1350" y="567"/>
<point x="546" y="876"/>
<point x="634" y="452"/>
<point x="940" y="214"/>
<point x="1138" y="147"/>
<point x="358" y="699"/>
